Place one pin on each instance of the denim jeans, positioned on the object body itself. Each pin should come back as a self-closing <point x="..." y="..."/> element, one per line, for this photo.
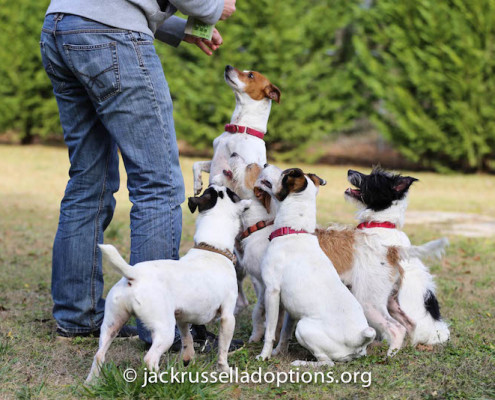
<point x="112" y="95"/>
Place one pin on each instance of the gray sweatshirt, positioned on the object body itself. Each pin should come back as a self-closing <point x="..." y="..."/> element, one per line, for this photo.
<point x="153" y="17"/>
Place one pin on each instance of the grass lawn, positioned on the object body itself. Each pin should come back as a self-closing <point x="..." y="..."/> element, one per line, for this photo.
<point x="35" y="364"/>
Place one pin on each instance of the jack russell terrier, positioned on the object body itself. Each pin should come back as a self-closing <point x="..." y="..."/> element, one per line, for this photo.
<point x="257" y="225"/>
<point x="330" y="321"/>
<point x="244" y="135"/>
<point x="195" y="289"/>
<point x="382" y="200"/>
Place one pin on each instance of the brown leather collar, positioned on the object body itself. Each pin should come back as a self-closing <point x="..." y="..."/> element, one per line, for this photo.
<point x="209" y="247"/>
<point x="253" y="228"/>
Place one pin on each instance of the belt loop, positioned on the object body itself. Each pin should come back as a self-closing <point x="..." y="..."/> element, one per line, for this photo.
<point x="58" y="17"/>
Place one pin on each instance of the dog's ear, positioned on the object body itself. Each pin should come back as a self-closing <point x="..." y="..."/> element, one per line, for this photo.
<point x="264" y="198"/>
<point x="192" y="203"/>
<point x="273" y="92"/>
<point x="317" y="180"/>
<point x="403" y="183"/>
<point x="206" y="201"/>
<point x="293" y="181"/>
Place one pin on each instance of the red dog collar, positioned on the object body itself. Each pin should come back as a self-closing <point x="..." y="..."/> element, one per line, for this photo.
<point x="374" y="224"/>
<point x="253" y="228"/>
<point x="284" y="231"/>
<point x="244" y="129"/>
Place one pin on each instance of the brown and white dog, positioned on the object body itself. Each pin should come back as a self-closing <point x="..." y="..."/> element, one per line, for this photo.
<point x="244" y="135"/>
<point x="257" y="225"/>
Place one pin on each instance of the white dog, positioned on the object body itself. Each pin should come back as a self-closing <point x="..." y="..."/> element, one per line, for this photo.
<point x="330" y="322"/>
<point x="257" y="225"/>
<point x="244" y="135"/>
<point x="382" y="201"/>
<point x="195" y="289"/>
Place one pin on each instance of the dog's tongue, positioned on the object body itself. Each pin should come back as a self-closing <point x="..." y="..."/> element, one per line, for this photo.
<point x="228" y="174"/>
<point x="355" y="192"/>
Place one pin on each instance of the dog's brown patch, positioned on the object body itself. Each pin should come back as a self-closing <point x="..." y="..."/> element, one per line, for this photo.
<point x="252" y="172"/>
<point x="338" y="245"/>
<point x="293" y="181"/>
<point x="317" y="180"/>
<point x="258" y="86"/>
<point x="264" y="198"/>
<point x="393" y="258"/>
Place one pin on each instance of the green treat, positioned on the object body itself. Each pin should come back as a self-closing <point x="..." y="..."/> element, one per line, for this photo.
<point x="197" y="28"/>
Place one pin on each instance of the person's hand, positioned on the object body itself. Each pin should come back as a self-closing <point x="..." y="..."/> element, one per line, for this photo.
<point x="207" y="46"/>
<point x="228" y="9"/>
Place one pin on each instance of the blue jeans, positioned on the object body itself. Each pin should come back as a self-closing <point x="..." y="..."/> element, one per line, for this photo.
<point x="112" y="94"/>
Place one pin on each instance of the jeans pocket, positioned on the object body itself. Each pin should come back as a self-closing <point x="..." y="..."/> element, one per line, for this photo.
<point x="97" y="67"/>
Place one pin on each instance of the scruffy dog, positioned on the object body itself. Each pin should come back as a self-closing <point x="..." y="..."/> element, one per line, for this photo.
<point x="382" y="201"/>
<point x="330" y="322"/>
<point x="195" y="289"/>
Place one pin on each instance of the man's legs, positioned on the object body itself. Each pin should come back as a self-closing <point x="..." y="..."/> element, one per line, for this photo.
<point x="88" y="204"/>
<point x="111" y="91"/>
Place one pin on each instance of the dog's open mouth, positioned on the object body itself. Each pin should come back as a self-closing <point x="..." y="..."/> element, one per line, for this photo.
<point x="354" y="193"/>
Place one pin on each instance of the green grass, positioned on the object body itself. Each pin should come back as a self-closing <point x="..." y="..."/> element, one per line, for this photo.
<point x="34" y="364"/>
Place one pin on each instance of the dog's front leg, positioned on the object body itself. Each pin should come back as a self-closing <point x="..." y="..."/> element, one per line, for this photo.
<point x="227" y="326"/>
<point x="272" y="302"/>
<point x="198" y="167"/>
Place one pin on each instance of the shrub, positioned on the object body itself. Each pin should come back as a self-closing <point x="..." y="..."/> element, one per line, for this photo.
<point x="429" y="67"/>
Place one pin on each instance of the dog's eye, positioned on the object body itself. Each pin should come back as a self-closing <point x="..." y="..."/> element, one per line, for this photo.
<point x="251" y="75"/>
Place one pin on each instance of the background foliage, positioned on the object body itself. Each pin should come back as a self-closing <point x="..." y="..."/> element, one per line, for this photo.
<point x="420" y="71"/>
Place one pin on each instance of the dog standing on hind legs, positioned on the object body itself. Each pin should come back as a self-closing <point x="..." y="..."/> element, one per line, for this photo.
<point x="195" y="289"/>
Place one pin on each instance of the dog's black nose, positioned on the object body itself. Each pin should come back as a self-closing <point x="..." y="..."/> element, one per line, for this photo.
<point x="266" y="165"/>
<point x="234" y="155"/>
<point x="228" y="68"/>
<point x="351" y="172"/>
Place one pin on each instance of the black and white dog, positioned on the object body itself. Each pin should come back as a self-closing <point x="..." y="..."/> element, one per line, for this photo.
<point x="381" y="198"/>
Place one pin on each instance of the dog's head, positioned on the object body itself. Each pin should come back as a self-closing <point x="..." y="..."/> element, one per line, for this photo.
<point x="246" y="180"/>
<point x="294" y="181"/>
<point x="379" y="190"/>
<point x="251" y="83"/>
<point x="218" y="200"/>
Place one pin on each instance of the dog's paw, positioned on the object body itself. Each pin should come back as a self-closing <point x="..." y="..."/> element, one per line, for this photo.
<point x="262" y="357"/>
<point x="224" y="368"/>
<point x="392" y="352"/>
<point x="255" y="337"/>
<point x="280" y="351"/>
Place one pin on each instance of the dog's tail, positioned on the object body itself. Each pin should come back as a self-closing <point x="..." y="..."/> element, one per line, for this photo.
<point x="112" y="256"/>
<point x="433" y="249"/>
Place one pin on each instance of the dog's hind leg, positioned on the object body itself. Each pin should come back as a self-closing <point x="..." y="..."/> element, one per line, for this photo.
<point x="115" y="318"/>
<point x="187" y="342"/>
<point x="226" y="332"/>
<point x="391" y="330"/>
<point x="285" y="335"/>
<point x="397" y="313"/>
<point x="258" y="314"/>
<point x="311" y="335"/>
<point x="162" y="333"/>
<point x="198" y="167"/>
